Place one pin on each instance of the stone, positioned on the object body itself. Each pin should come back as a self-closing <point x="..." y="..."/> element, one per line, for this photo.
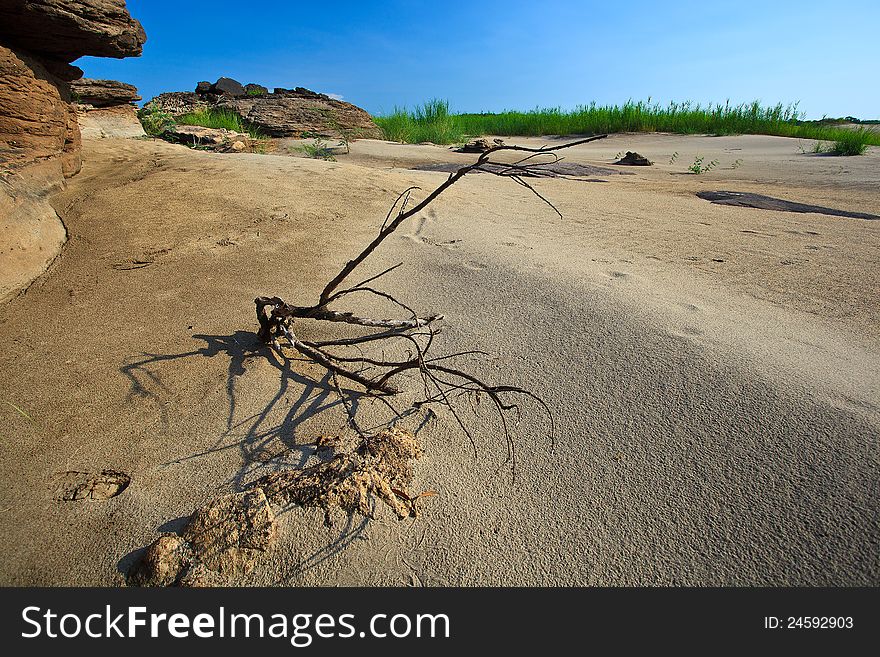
<point x="203" y="88"/>
<point x="164" y="562"/>
<point x="634" y="160"/>
<point x="252" y="89"/>
<point x="282" y="113"/>
<point x="222" y="540"/>
<point x="227" y="87"/>
<point x="103" y="93"/>
<point x="227" y="533"/>
<point x="480" y="145"/>
<point x="65" y="30"/>
<point x="196" y="135"/>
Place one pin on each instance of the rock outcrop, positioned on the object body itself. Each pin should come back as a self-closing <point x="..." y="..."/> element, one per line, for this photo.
<point x="39" y="132"/>
<point x="105" y="108"/>
<point x="281" y="113"/>
<point x="63" y="30"/>
<point x="103" y="93"/>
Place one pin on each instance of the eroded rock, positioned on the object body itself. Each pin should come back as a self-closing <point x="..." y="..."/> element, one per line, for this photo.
<point x="103" y="93"/>
<point x="283" y="113"/>
<point x="65" y="30"/>
<point x="39" y="132"/>
<point x="634" y="160"/>
<point x="227" y="87"/>
<point x="480" y="145"/>
<point x="222" y="540"/>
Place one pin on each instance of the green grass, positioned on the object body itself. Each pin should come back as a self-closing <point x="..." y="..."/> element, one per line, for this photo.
<point x="435" y="123"/>
<point x="318" y="149"/>
<point x="155" y="121"/>
<point x="431" y="122"/>
<point x="853" y="142"/>
<point x="219" y="118"/>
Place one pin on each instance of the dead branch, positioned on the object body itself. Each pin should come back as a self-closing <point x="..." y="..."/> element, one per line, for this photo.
<point x="441" y="383"/>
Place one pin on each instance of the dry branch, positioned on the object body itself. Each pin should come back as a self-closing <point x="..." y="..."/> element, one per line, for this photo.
<point x="441" y="383"/>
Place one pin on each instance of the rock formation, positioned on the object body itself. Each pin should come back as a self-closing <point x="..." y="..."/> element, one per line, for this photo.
<point x="39" y="134"/>
<point x="105" y="108"/>
<point x="282" y="113"/>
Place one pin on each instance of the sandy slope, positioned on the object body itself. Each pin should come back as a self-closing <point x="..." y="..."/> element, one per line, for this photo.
<point x="714" y="371"/>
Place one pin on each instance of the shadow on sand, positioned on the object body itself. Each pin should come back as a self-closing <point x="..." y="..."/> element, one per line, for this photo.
<point x="261" y="438"/>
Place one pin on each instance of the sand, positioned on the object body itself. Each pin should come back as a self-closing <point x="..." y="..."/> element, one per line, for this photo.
<point x="714" y="371"/>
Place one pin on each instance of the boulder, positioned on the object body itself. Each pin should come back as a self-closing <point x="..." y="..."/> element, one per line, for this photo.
<point x="252" y="89"/>
<point x="103" y="93"/>
<point x="215" y="139"/>
<point x="634" y="160"/>
<point x="480" y="145"/>
<point x="65" y="30"/>
<point x="227" y="87"/>
<point x="300" y="112"/>
<point x="203" y="88"/>
<point x="221" y="541"/>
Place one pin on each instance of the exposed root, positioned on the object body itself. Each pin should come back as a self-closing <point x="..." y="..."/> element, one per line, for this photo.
<point x="379" y="468"/>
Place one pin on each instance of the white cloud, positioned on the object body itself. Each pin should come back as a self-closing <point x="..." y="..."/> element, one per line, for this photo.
<point x="336" y="96"/>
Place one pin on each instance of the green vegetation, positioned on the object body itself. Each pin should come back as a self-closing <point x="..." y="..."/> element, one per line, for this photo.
<point x="155" y="121"/>
<point x="433" y="122"/>
<point x="219" y="118"/>
<point x="698" y="167"/>
<point x="318" y="149"/>
<point x="853" y="141"/>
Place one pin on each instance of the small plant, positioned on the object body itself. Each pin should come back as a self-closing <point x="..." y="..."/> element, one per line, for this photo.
<point x="346" y="135"/>
<point x="736" y="164"/>
<point x="155" y="121"/>
<point x="697" y="167"/>
<point x="318" y="149"/>
<point x="673" y="158"/>
<point x="852" y="142"/>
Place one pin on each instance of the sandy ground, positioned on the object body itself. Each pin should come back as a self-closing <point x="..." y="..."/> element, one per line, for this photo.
<point x="714" y="371"/>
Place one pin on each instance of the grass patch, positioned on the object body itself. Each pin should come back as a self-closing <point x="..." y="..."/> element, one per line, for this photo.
<point x="155" y="121"/>
<point x="435" y="123"/>
<point x="318" y="149"/>
<point x="220" y="118"/>
<point x="853" y="142"/>
<point x="431" y="122"/>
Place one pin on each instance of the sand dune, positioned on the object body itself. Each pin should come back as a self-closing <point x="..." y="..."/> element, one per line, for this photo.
<point x="714" y="371"/>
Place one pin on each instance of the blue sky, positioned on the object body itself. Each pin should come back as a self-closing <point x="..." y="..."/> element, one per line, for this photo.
<point x="491" y="55"/>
